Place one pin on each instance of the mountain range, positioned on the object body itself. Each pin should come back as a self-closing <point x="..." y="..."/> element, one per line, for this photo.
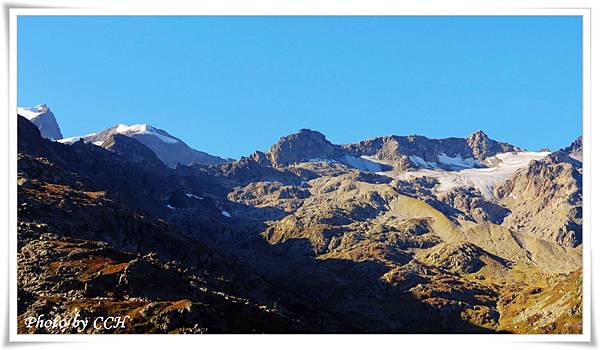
<point x="393" y="234"/>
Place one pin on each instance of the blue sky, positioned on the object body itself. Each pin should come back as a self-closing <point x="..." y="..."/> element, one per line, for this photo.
<point x="232" y="85"/>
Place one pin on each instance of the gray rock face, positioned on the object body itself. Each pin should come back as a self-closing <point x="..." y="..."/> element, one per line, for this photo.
<point x="482" y="146"/>
<point x="307" y="145"/>
<point x="252" y="169"/>
<point x="302" y="146"/>
<point x="472" y="203"/>
<point x="575" y="149"/>
<point x="44" y="119"/>
<point x="169" y="149"/>
<point x="393" y="148"/>
<point x="545" y="199"/>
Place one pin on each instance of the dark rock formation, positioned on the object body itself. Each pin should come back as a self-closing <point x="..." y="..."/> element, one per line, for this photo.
<point x="300" y="147"/>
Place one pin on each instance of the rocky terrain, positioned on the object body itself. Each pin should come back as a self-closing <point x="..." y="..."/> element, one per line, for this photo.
<point x="395" y="234"/>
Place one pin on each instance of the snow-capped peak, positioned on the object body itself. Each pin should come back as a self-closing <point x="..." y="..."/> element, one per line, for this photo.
<point x="43" y="119"/>
<point x="136" y="128"/>
<point x="143" y="129"/>
<point x="32" y="112"/>
<point x="169" y="149"/>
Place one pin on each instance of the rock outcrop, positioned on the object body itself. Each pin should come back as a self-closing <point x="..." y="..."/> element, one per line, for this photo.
<point x="482" y="146"/>
<point x="300" y="147"/>
<point x="575" y="149"/>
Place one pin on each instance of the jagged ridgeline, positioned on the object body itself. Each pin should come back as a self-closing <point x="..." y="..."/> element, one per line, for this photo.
<point x="397" y="234"/>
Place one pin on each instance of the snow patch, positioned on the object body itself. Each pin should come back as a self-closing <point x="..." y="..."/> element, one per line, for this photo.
<point x="418" y="161"/>
<point x="191" y="195"/>
<point x="143" y="129"/>
<point x="32" y="112"/>
<point x="362" y="163"/>
<point x="577" y="157"/>
<point x="323" y="160"/>
<point x="457" y="161"/>
<point x="70" y="140"/>
<point x="500" y="168"/>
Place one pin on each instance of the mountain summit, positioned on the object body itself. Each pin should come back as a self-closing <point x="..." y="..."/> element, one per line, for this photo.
<point x="575" y="149"/>
<point x="169" y="149"/>
<point x="44" y="119"/>
<point x="482" y="146"/>
<point x="304" y="145"/>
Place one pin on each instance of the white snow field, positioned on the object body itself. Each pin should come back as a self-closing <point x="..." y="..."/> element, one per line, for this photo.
<point x="143" y="129"/>
<point x="32" y="112"/>
<point x="499" y="168"/>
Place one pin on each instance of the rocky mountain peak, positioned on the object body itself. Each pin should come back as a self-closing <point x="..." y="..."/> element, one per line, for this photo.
<point x="575" y="149"/>
<point x="478" y="134"/>
<point x="301" y="146"/>
<point x="577" y="145"/>
<point x="41" y="108"/>
<point x="479" y="142"/>
<point x="482" y="146"/>
<point x="260" y="158"/>
<point x="168" y="148"/>
<point x="44" y="119"/>
<point x="308" y="134"/>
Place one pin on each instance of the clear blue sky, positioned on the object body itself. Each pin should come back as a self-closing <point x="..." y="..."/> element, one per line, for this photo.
<point x="231" y="85"/>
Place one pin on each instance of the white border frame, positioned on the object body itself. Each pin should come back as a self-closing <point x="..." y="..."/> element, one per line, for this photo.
<point x="274" y="10"/>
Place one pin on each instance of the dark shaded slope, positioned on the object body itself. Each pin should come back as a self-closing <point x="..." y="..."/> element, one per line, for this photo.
<point x="82" y="246"/>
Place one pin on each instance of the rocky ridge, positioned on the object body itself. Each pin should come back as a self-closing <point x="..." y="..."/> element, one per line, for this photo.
<point x="169" y="149"/>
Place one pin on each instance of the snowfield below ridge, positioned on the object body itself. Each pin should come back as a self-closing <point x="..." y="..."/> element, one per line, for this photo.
<point x="500" y="168"/>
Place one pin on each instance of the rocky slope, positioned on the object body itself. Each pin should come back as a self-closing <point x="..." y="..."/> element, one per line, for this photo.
<point x="545" y="199"/>
<point x="307" y="237"/>
<point x="82" y="248"/>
